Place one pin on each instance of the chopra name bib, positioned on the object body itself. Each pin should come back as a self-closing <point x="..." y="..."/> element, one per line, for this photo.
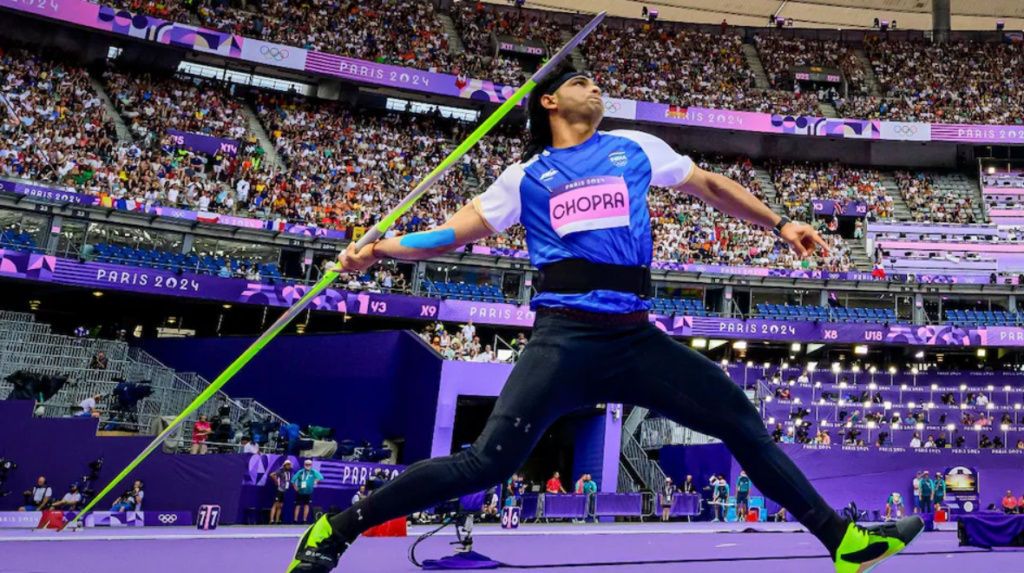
<point x="588" y="204"/>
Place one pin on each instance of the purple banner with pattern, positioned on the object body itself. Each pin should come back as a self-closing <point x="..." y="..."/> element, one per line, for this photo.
<point x="843" y="209"/>
<point x="337" y="474"/>
<point x="486" y="313"/>
<point x="188" y="37"/>
<point x="160" y="282"/>
<point x="204" y="143"/>
<point x="48" y="193"/>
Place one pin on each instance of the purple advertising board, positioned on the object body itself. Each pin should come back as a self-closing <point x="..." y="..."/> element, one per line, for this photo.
<point x="153" y="281"/>
<point x="486" y="313"/>
<point x="843" y="209"/>
<point x="337" y="474"/>
<point x="47" y="193"/>
<point x="83" y="13"/>
<point x="204" y="143"/>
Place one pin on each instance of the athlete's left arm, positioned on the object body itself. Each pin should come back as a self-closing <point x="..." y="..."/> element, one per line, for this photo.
<point x="732" y="199"/>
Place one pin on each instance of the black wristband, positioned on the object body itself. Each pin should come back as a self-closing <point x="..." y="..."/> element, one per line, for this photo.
<point x="782" y="223"/>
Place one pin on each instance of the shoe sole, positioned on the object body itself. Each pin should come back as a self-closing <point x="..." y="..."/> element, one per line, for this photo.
<point x="888" y="555"/>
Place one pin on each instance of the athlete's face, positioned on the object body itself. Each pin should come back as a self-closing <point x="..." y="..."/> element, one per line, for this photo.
<point x="579" y="99"/>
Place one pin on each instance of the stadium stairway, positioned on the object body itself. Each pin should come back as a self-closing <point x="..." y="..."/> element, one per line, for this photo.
<point x="455" y="45"/>
<point x="769" y="190"/>
<point x="578" y="61"/>
<point x="30" y="346"/>
<point x="874" y="88"/>
<point x="123" y="133"/>
<point x="901" y="212"/>
<point x="977" y="198"/>
<point x="827" y="110"/>
<point x="261" y="135"/>
<point x="754" y="62"/>
<point x="862" y="260"/>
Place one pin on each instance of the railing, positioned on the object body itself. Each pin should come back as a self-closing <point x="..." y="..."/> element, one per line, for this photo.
<point x="29" y="346"/>
<point x="658" y="432"/>
<point x="634" y="419"/>
<point x="626" y="482"/>
<point x="650" y="473"/>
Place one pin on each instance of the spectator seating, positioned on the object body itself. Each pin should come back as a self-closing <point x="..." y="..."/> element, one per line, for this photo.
<point x="826" y="313"/>
<point x="155" y="259"/>
<point x="15" y="241"/>
<point x="463" y="291"/>
<point x="939" y="198"/>
<point x="678" y="307"/>
<point x="30" y="346"/>
<point x="983" y="318"/>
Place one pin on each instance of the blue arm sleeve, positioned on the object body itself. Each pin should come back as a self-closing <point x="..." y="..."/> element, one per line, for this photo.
<point x="429" y="239"/>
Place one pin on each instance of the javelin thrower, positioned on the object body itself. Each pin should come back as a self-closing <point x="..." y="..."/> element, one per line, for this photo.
<point x="582" y="196"/>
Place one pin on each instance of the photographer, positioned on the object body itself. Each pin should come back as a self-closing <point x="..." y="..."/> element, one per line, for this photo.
<point x="70" y="501"/>
<point x="130" y="500"/>
<point x="38" y="498"/>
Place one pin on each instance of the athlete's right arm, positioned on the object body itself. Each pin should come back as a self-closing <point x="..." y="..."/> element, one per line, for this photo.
<point x="488" y="214"/>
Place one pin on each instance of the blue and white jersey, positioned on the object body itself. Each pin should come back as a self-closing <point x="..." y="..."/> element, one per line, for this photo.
<point x="587" y="202"/>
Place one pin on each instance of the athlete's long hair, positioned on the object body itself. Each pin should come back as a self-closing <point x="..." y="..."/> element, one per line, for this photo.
<point x="540" y="122"/>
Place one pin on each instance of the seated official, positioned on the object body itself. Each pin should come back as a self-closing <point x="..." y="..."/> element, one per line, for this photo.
<point x="71" y="500"/>
<point x="894" y="509"/>
<point x="39" y="497"/>
<point x="1010" y="503"/>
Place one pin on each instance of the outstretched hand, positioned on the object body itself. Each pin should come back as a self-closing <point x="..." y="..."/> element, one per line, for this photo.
<point x="803" y="239"/>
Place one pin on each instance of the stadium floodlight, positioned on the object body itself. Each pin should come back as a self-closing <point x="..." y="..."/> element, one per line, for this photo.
<point x="740" y="345"/>
<point x="699" y="343"/>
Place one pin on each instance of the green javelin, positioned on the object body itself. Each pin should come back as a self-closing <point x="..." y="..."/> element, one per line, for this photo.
<point x="375" y="233"/>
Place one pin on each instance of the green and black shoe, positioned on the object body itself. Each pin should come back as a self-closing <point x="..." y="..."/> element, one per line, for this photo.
<point x="319" y="549"/>
<point x="865" y="547"/>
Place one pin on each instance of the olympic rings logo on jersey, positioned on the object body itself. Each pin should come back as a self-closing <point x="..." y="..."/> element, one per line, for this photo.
<point x="905" y="130"/>
<point x="167" y="518"/>
<point x="274" y="53"/>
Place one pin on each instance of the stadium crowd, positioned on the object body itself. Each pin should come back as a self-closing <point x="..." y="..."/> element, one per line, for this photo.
<point x="687" y="230"/>
<point x="476" y="22"/>
<point x="463" y="343"/>
<point x="779" y="54"/>
<point x="928" y="203"/>
<point x="798" y="184"/>
<point x="686" y="68"/>
<point x="954" y="82"/>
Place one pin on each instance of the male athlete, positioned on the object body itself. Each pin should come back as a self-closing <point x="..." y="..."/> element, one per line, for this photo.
<point x="582" y="196"/>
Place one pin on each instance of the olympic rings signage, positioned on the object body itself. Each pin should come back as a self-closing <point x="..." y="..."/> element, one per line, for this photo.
<point x="277" y="55"/>
<point x="620" y="108"/>
<point x="274" y="53"/>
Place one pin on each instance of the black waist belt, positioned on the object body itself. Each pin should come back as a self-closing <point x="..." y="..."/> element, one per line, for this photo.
<point x="573" y="276"/>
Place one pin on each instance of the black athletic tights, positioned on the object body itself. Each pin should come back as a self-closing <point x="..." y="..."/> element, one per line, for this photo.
<point x="569" y="364"/>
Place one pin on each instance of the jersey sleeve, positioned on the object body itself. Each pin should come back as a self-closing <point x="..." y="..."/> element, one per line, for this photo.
<point x="500" y="205"/>
<point x="668" y="168"/>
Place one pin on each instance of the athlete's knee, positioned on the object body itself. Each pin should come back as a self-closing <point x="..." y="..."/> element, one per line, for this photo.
<point x="484" y="464"/>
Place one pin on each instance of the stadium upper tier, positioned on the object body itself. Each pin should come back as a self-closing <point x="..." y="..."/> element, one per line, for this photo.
<point x="962" y="82"/>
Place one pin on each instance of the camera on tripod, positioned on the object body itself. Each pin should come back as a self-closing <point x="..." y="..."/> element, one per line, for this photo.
<point x="5" y="467"/>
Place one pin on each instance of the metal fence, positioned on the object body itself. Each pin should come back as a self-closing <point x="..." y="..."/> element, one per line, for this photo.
<point x="30" y="346"/>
